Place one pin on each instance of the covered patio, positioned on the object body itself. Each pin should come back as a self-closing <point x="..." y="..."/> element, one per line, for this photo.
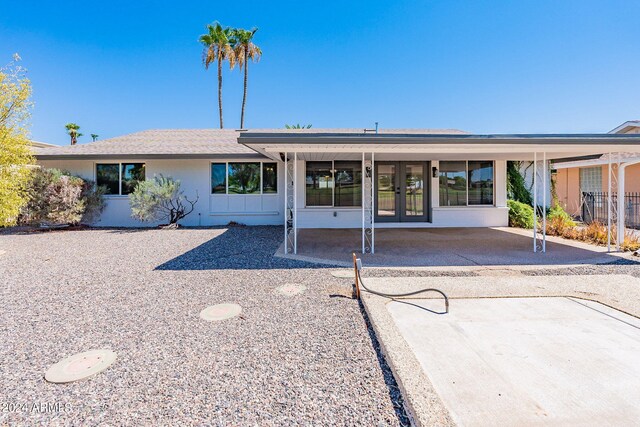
<point x="445" y="203"/>
<point x="446" y="247"/>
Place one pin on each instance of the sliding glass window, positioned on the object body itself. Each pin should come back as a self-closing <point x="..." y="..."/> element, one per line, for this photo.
<point x="465" y="183"/>
<point x="244" y="178"/>
<point x="119" y="178"/>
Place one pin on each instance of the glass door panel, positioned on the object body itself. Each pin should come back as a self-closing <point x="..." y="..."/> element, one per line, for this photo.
<point x="386" y="190"/>
<point x="414" y="190"/>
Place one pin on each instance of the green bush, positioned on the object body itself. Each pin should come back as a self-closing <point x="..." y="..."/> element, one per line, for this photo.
<point x="557" y="213"/>
<point x="516" y="185"/>
<point x="520" y="214"/>
<point x="56" y="197"/>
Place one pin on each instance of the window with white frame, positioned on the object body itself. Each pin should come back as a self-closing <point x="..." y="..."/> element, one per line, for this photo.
<point x="333" y="184"/>
<point x="119" y="178"/>
<point x="466" y="183"/>
<point x="244" y="178"/>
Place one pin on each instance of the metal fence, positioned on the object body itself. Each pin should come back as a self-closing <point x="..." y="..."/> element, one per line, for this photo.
<point x="594" y="208"/>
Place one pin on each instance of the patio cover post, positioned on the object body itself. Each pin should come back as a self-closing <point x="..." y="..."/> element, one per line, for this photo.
<point x="609" y="204"/>
<point x="535" y="202"/>
<point x="286" y="203"/>
<point x="295" y="203"/>
<point x="364" y="171"/>
<point x="544" y="202"/>
<point x="373" y="214"/>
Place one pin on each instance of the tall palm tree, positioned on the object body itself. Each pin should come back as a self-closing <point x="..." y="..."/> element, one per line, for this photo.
<point x="94" y="137"/>
<point x="217" y="47"/>
<point x="72" y="130"/>
<point x="245" y="50"/>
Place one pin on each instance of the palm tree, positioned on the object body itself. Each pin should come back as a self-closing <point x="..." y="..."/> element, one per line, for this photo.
<point x="298" y="126"/>
<point x="217" y="47"/>
<point x="94" y="137"/>
<point x="72" y="130"/>
<point x="245" y="50"/>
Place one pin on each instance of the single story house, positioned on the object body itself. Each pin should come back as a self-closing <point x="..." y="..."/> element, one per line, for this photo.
<point x="573" y="178"/>
<point x="326" y="178"/>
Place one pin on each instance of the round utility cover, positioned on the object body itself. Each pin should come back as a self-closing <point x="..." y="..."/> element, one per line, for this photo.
<point x="220" y="312"/>
<point x="80" y="366"/>
<point x="343" y="274"/>
<point x="291" y="289"/>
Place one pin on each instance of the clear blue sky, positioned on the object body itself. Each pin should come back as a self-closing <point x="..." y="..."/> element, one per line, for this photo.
<point x="116" y="67"/>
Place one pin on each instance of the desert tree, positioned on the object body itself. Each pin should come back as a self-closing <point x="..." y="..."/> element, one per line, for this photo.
<point x="15" y="148"/>
<point x="94" y="137"/>
<point x="160" y="199"/>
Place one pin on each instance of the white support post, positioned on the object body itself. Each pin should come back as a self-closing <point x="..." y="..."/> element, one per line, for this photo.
<point x="373" y="204"/>
<point x="544" y="202"/>
<point x="609" y="200"/>
<point x="286" y="206"/>
<point x="535" y="202"/>
<point x="620" y="239"/>
<point x="295" y="203"/>
<point x="364" y="171"/>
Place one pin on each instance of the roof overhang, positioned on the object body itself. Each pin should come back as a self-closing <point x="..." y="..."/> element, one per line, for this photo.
<point x="111" y="156"/>
<point x="444" y="147"/>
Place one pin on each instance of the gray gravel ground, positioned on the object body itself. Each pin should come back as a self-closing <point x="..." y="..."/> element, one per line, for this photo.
<point x="305" y="359"/>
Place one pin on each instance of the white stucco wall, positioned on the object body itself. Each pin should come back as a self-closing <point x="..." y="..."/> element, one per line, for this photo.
<point x="195" y="176"/>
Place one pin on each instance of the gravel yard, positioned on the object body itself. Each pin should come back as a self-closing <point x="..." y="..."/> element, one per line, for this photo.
<point x="302" y="359"/>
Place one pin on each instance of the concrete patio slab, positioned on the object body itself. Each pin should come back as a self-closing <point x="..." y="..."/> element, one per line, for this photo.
<point x="527" y="361"/>
<point x="424" y="401"/>
<point x="445" y="247"/>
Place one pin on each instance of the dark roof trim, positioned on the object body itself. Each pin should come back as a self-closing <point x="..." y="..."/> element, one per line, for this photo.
<point x="248" y="138"/>
<point x="247" y="156"/>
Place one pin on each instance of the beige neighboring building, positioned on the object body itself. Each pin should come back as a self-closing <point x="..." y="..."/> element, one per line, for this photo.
<point x="591" y="176"/>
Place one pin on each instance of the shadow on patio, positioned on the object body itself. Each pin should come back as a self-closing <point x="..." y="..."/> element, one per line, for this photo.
<point x="447" y="247"/>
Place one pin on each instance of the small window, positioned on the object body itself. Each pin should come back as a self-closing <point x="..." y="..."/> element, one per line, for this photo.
<point x="218" y="178"/>
<point x="244" y="178"/>
<point x="453" y="183"/>
<point x="108" y="175"/>
<point x="269" y="178"/>
<point x="319" y="184"/>
<point x="119" y="178"/>
<point x="132" y="174"/>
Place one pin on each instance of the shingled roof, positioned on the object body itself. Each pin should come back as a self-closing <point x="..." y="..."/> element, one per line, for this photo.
<point x="188" y="143"/>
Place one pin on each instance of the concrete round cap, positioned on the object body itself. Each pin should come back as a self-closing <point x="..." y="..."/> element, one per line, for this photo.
<point x="291" y="289"/>
<point x="343" y="274"/>
<point x="220" y="312"/>
<point x="80" y="366"/>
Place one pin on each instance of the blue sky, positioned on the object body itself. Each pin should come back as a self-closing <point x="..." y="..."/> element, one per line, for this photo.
<point x="484" y="66"/>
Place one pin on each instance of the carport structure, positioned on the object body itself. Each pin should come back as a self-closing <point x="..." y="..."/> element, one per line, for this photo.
<point x="418" y="178"/>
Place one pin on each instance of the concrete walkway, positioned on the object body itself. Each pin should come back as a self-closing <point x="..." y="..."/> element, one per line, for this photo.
<point x="445" y="247"/>
<point x="549" y="360"/>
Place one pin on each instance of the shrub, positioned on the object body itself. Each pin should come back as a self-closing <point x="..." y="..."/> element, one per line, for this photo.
<point x="56" y="197"/>
<point x="160" y="198"/>
<point x="560" y="223"/>
<point x="520" y="214"/>
<point x="516" y="185"/>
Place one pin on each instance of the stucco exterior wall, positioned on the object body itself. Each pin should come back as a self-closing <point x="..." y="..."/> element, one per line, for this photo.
<point x="268" y="209"/>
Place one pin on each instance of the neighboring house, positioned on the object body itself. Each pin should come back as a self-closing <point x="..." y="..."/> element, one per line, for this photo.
<point x="324" y="178"/>
<point x="573" y="178"/>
